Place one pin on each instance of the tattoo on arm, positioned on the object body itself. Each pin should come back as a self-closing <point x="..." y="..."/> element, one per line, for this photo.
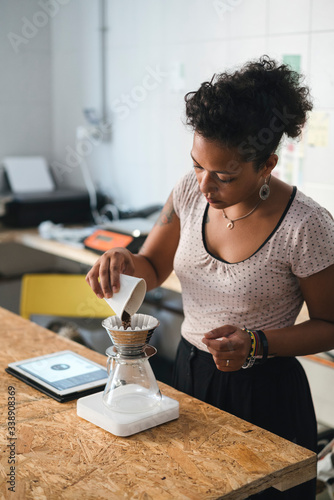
<point x="167" y="213"/>
<point x="142" y="249"/>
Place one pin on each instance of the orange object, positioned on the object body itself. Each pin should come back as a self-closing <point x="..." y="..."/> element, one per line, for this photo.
<point x="102" y="240"/>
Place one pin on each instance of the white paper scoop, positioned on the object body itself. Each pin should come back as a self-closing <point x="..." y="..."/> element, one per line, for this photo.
<point x="130" y="296"/>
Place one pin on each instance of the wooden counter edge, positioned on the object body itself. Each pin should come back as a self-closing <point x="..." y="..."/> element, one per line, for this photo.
<point x="318" y="359"/>
<point x="294" y="476"/>
<point x="308" y="472"/>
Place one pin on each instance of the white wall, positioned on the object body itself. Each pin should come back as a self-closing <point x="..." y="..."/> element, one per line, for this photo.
<point x="156" y="52"/>
<point x="25" y="81"/>
<point x="75" y="86"/>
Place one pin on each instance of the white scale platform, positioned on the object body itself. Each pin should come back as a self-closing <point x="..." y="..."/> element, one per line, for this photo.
<point x="92" y="408"/>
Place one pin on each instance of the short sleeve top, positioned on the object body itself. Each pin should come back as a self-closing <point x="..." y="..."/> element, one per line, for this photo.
<point x="261" y="292"/>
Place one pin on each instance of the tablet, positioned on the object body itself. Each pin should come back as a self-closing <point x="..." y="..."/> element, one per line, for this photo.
<point x="63" y="375"/>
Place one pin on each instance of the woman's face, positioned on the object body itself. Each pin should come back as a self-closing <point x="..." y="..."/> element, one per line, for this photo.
<point x="223" y="178"/>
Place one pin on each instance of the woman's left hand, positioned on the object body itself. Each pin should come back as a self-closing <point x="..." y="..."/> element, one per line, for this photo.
<point x="229" y="346"/>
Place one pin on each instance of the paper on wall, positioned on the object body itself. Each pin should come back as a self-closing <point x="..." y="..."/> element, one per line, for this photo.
<point x="318" y="127"/>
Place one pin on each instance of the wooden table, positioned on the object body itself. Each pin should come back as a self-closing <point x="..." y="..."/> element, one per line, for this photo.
<point x="30" y="238"/>
<point x="205" y="454"/>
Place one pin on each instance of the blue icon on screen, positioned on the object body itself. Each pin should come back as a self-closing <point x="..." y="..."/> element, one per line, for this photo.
<point x="60" y="366"/>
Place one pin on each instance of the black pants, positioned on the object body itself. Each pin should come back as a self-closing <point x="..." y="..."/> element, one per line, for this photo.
<point x="274" y="396"/>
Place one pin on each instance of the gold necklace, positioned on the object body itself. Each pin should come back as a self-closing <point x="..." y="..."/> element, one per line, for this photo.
<point x="230" y="224"/>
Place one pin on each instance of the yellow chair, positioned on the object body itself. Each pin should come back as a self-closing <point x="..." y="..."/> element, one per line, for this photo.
<point x="65" y="295"/>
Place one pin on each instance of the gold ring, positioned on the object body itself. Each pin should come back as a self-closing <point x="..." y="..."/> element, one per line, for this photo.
<point x="227" y="362"/>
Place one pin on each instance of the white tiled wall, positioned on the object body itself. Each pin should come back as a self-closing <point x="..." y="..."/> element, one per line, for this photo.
<point x="25" y="81"/>
<point x="290" y="17"/>
<point x="322" y="15"/>
<point x="45" y="87"/>
<point x="188" y="41"/>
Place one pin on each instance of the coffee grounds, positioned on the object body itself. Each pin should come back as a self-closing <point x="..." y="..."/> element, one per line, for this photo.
<point x="126" y="320"/>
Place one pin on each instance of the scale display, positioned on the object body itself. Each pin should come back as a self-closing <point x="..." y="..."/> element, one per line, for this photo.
<point x="102" y="240"/>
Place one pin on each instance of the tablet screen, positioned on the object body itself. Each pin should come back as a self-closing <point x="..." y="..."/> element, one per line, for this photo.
<point x="63" y="371"/>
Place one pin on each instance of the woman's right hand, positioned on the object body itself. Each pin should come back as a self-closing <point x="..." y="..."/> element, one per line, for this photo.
<point x="154" y="261"/>
<point x="103" y="277"/>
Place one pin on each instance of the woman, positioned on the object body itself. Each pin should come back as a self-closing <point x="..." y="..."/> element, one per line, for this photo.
<point x="248" y="250"/>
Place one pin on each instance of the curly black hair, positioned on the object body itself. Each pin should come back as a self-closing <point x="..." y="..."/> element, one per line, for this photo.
<point x="251" y="108"/>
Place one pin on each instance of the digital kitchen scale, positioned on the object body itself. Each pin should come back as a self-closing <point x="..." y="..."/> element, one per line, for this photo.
<point x="92" y="408"/>
<point x="131" y="401"/>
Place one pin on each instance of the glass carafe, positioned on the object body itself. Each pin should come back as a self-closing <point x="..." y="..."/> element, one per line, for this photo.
<point x="131" y="386"/>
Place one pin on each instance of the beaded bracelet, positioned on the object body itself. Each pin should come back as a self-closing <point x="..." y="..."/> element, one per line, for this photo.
<point x="258" y="338"/>
<point x="264" y="342"/>
<point x="251" y="356"/>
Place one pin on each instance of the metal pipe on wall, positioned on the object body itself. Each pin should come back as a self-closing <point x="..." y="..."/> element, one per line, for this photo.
<point x="103" y="44"/>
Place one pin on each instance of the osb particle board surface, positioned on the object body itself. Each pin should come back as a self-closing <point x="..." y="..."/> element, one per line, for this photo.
<point x="205" y="454"/>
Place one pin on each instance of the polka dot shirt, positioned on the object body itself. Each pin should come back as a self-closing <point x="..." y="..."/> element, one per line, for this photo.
<point x="261" y="292"/>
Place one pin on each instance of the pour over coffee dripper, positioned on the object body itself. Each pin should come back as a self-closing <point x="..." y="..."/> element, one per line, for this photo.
<point x="131" y="386"/>
<point x="131" y="401"/>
